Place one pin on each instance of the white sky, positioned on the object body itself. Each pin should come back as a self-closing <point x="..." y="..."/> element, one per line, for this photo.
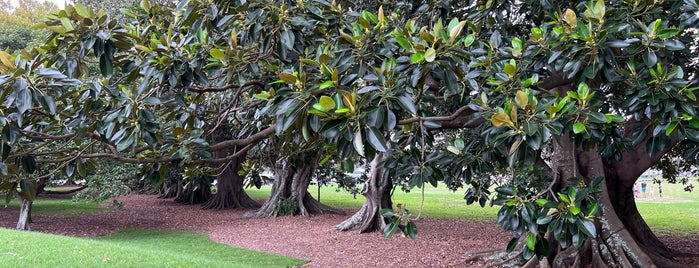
<point x="59" y="3"/>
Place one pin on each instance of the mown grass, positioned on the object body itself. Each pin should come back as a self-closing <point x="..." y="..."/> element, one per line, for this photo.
<point x="676" y="213"/>
<point x="129" y="248"/>
<point x="61" y="207"/>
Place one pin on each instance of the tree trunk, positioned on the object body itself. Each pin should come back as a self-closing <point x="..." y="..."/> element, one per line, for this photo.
<point x="189" y="196"/>
<point x="377" y="191"/>
<point x="616" y="244"/>
<point x="230" y="192"/>
<point x="290" y="195"/>
<point x="25" y="213"/>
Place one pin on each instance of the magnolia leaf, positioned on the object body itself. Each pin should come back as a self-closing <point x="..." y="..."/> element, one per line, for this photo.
<point x="6" y="59"/>
<point x="522" y="99"/>
<point x="217" y="53"/>
<point x="531" y="241"/>
<point x="454" y="32"/>
<point x="376" y="140"/>
<point x="327" y="103"/>
<point x="287" y="78"/>
<point x="430" y="55"/>
<point x="417" y="57"/>
<point x="358" y="142"/>
<point x="500" y="119"/>
<point x="578" y="127"/>
<point x="571" y="18"/>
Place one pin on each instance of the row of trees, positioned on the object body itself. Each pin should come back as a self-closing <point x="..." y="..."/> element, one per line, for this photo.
<point x="573" y="100"/>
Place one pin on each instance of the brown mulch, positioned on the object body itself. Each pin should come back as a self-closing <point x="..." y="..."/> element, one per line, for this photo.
<point x="440" y="243"/>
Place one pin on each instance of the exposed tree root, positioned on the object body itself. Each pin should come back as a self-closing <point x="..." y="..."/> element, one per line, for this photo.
<point x="377" y="191"/>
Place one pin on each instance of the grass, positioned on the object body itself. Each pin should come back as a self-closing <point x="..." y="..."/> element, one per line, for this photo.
<point x="676" y="213"/>
<point x="60" y="207"/>
<point x="439" y="202"/>
<point x="129" y="248"/>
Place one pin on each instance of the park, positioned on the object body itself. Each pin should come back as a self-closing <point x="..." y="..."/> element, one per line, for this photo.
<point x="273" y="133"/>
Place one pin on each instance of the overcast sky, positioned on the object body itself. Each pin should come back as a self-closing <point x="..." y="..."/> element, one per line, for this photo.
<point x="59" y="3"/>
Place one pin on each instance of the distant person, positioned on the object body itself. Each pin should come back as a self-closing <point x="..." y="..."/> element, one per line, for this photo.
<point x="652" y="191"/>
<point x="636" y="192"/>
<point x="660" y="189"/>
<point x="643" y="189"/>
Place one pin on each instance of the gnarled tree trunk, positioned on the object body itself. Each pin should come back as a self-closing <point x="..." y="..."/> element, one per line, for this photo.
<point x="377" y="191"/>
<point x="25" y="213"/>
<point x="230" y="192"/>
<point x="290" y="195"/>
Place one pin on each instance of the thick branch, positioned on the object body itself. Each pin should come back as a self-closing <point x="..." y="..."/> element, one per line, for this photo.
<point x="227" y="87"/>
<point x="461" y="118"/>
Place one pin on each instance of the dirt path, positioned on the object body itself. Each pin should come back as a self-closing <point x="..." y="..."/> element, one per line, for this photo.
<point x="441" y="243"/>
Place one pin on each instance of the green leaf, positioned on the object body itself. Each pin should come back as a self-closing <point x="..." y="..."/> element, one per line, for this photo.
<point x="358" y="142"/>
<point x="597" y="117"/>
<point x="521" y="98"/>
<point x="390" y="229"/>
<point x="531" y="241"/>
<point x="542" y="202"/>
<point x="430" y="55"/>
<point x="417" y="57"/>
<point x="406" y="102"/>
<point x="512" y="244"/>
<point x="578" y="127"/>
<point x="327" y="103"/>
<point x="326" y="84"/>
<point x="376" y="140"/>
<point x="287" y="78"/>
<point x="288" y="39"/>
<point x="106" y="65"/>
<point x="587" y="227"/>
<point x="575" y="210"/>
<point x="23" y="99"/>
<point x="510" y="69"/>
<point x="411" y="230"/>
<point x="670" y="128"/>
<point x="403" y="43"/>
<point x="217" y="53"/>
<point x="386" y="212"/>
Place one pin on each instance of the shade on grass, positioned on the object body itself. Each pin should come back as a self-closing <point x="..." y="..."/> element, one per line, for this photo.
<point x="129" y="248"/>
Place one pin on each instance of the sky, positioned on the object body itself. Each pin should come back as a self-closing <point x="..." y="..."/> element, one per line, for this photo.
<point x="59" y="3"/>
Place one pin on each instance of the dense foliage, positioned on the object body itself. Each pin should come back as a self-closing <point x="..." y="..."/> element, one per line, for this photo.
<point x="573" y="100"/>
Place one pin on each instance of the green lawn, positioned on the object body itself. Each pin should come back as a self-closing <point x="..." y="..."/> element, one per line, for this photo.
<point x="439" y="202"/>
<point x="676" y="213"/>
<point x="129" y="248"/>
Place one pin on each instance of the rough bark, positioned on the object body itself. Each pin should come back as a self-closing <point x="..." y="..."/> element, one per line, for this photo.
<point x="25" y="211"/>
<point x="377" y="191"/>
<point x="230" y="192"/>
<point x="171" y="185"/>
<point x="289" y="195"/>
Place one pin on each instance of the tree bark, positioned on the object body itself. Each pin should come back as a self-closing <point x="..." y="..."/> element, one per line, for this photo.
<point x="377" y="191"/>
<point x="290" y="194"/>
<point x="230" y="192"/>
<point x="25" y="211"/>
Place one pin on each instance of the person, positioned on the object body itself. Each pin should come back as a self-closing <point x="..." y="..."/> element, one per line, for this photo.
<point x="651" y="193"/>
<point x="636" y="192"/>
<point x="643" y="189"/>
<point x="660" y="189"/>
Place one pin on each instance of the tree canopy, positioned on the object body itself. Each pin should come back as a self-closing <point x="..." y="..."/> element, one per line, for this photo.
<point x="574" y="100"/>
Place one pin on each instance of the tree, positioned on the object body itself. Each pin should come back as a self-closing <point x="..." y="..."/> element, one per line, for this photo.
<point x="573" y="99"/>
<point x="16" y="23"/>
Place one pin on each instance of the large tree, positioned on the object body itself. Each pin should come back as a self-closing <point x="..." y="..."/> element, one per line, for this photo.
<point x="573" y="99"/>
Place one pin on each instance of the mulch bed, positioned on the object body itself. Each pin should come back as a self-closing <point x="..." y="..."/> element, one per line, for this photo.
<point x="440" y="243"/>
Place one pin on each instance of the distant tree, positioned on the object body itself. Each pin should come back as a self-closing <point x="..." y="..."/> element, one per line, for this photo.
<point x="16" y="23"/>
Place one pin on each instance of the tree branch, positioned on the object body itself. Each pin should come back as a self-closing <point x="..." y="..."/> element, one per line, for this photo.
<point x="227" y="87"/>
